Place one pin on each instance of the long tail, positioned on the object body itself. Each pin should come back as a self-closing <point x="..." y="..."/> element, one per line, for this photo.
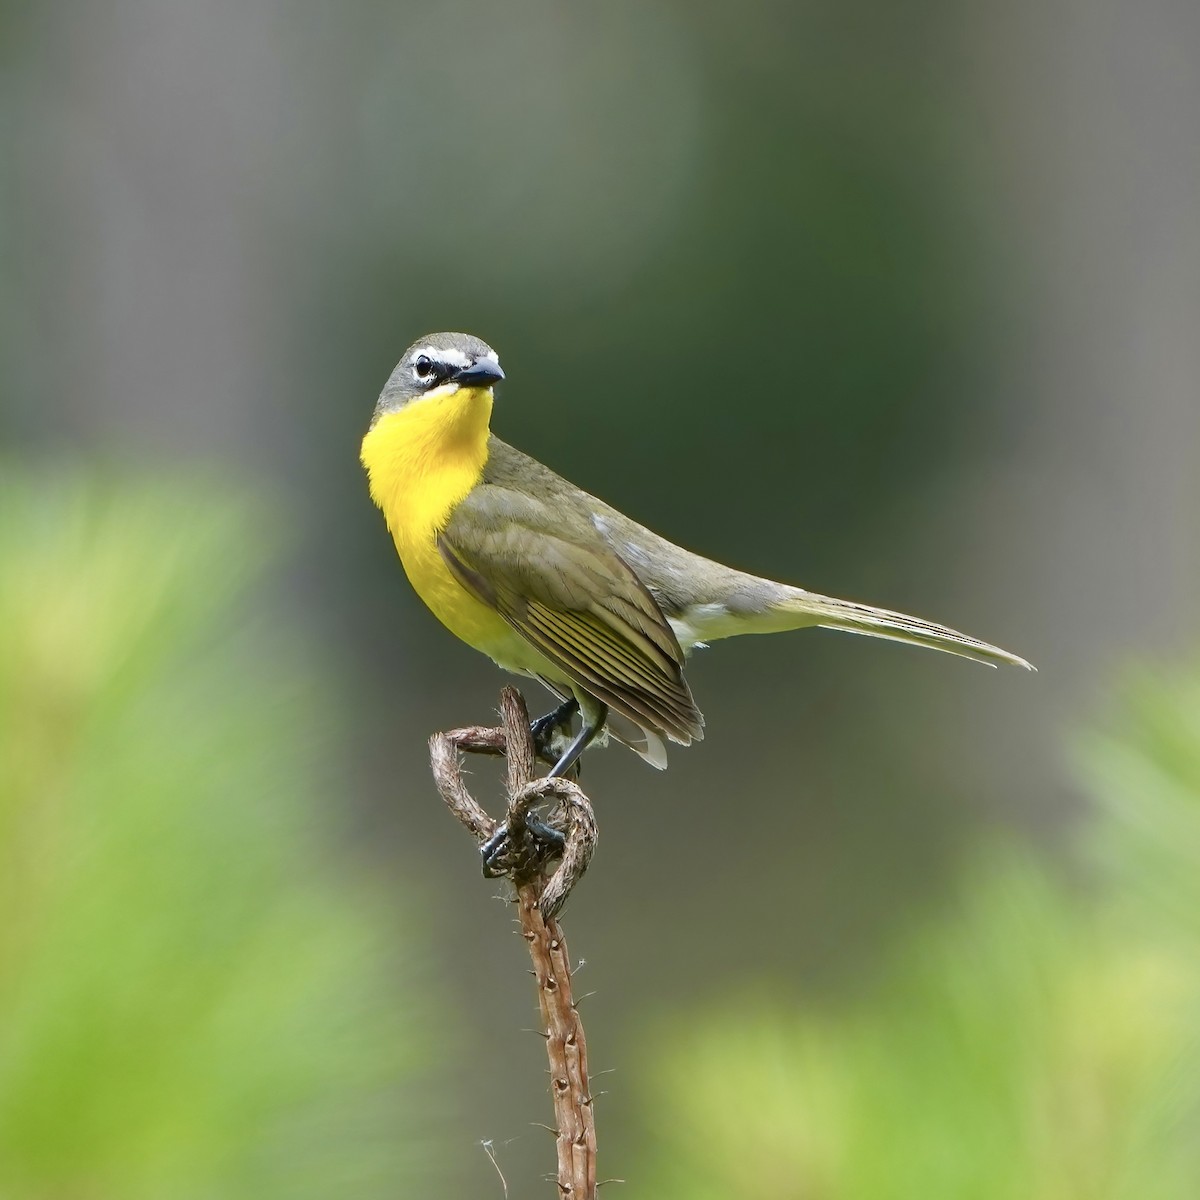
<point x="800" y="608"/>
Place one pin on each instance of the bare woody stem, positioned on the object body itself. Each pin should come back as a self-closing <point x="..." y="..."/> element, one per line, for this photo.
<point x="538" y="900"/>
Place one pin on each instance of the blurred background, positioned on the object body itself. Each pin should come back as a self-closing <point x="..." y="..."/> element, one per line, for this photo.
<point x="896" y="302"/>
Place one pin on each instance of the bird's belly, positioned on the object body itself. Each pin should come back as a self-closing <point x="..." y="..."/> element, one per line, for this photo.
<point x="422" y="461"/>
<point x="467" y="618"/>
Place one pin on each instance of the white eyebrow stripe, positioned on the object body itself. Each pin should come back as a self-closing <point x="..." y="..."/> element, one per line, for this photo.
<point x="455" y="358"/>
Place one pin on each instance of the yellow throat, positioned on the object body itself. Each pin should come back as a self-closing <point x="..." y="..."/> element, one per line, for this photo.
<point x="422" y="460"/>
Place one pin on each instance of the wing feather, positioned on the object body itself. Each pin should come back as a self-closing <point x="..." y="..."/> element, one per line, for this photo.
<point x="547" y="571"/>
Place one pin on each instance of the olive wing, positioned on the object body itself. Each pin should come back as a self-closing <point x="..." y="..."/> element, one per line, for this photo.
<point x="546" y="570"/>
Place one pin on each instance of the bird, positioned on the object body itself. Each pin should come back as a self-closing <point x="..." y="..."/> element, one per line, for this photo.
<point x="552" y="583"/>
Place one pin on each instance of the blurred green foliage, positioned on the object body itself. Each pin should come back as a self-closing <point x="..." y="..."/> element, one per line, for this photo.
<point x="193" y="1002"/>
<point x="1040" y="1042"/>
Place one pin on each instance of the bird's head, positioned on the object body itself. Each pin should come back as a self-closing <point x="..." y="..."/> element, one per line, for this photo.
<point x="439" y="365"/>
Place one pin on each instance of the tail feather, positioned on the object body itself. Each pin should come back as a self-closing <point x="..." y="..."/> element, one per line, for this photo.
<point x="829" y="613"/>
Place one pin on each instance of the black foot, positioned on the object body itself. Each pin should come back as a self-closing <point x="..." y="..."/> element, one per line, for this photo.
<point x="499" y="856"/>
<point x="592" y="725"/>
<point x="544" y="728"/>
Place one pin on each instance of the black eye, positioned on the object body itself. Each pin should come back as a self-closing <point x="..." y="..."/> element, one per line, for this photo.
<point x="423" y="366"/>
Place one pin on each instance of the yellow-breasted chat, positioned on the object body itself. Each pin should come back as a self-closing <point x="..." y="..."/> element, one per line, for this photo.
<point x="550" y="582"/>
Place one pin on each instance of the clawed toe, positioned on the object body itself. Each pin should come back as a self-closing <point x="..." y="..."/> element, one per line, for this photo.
<point x="504" y="855"/>
<point x="545" y="728"/>
<point x="493" y="852"/>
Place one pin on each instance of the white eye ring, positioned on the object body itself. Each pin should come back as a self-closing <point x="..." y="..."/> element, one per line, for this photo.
<point x="423" y="368"/>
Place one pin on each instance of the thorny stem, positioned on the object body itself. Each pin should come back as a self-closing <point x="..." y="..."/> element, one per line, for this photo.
<point x="538" y="900"/>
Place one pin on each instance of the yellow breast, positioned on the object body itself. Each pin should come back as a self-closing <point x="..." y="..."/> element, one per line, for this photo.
<point x="421" y="462"/>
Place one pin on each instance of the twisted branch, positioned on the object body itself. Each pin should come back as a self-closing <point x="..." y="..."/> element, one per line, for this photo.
<point x="539" y="900"/>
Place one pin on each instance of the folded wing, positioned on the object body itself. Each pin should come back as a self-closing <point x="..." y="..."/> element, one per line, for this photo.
<point x="550" y="574"/>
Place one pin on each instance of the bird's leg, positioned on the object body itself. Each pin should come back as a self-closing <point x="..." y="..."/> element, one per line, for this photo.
<point x="496" y="852"/>
<point x="548" y="843"/>
<point x="544" y="728"/>
<point x="593" y="723"/>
